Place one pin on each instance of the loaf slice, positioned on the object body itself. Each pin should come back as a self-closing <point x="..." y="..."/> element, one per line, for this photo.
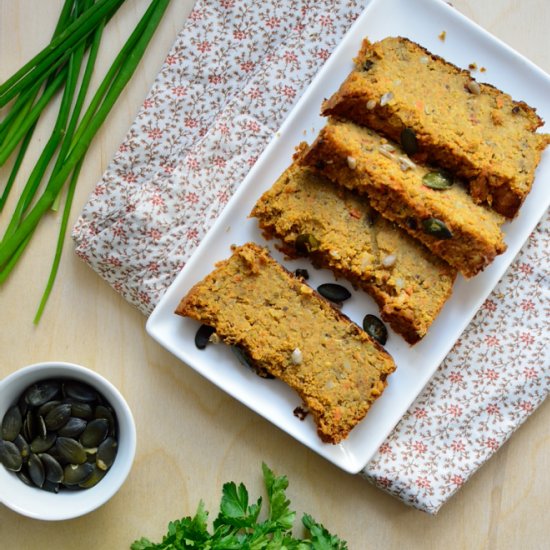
<point x="474" y="130"/>
<point x="291" y="332"/>
<point x="408" y="282"/>
<point x="467" y="235"/>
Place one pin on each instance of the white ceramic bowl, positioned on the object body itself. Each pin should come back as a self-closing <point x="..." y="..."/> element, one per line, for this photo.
<point x="40" y="504"/>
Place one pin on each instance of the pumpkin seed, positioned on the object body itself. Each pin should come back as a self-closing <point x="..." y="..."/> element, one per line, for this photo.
<point x="36" y="470"/>
<point x="53" y="470"/>
<point x="25" y="478"/>
<point x="82" y="410"/>
<point x="96" y="476"/>
<point x="95" y="432"/>
<point x="302" y="273"/>
<point x="202" y="337"/>
<point x="409" y="143"/>
<point x="42" y="444"/>
<point x="73" y="474"/>
<point x="436" y="228"/>
<point x="333" y="292"/>
<point x="10" y="456"/>
<point x="23" y="446"/>
<point x="103" y="411"/>
<point x="12" y="423"/>
<point x="80" y="391"/>
<point x="437" y="180"/>
<point x="44" y="409"/>
<point x="367" y="65"/>
<point x="306" y="243"/>
<point x="73" y="427"/>
<point x="58" y="416"/>
<point x="70" y="450"/>
<point x="106" y="453"/>
<point x="375" y="328"/>
<point x="40" y="393"/>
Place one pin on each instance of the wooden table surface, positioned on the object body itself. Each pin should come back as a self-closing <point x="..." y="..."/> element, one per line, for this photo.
<point x="191" y="436"/>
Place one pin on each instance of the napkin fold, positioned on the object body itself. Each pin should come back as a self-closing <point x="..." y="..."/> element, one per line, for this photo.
<point x="233" y="74"/>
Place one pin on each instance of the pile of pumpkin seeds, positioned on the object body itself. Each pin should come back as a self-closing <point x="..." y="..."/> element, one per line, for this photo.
<point x="62" y="434"/>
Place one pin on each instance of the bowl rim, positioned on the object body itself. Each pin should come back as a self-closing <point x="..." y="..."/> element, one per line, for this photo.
<point x="50" y="506"/>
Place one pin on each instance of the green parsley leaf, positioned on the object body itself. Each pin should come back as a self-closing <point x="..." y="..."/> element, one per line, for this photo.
<point x="237" y="526"/>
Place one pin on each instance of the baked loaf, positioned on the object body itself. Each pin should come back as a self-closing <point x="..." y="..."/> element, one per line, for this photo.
<point x="408" y="282"/>
<point x="448" y="222"/>
<point x="291" y="332"/>
<point x="474" y="130"/>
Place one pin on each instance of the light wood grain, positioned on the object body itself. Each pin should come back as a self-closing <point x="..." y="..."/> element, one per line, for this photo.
<point x="191" y="436"/>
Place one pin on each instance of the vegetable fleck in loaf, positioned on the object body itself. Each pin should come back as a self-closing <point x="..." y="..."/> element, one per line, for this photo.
<point x="408" y="282"/>
<point x="467" y="235"/>
<point x="290" y="331"/>
<point x="474" y="130"/>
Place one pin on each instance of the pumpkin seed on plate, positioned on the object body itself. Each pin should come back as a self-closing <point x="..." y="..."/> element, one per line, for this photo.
<point x="437" y="180"/>
<point x="375" y="328"/>
<point x="334" y="292"/>
<point x="106" y="453"/>
<point x="202" y="336"/>
<point x="73" y="474"/>
<point x="96" y="476"/>
<point x="436" y="228"/>
<point x="80" y="391"/>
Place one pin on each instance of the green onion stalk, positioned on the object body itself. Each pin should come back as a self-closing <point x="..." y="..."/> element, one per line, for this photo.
<point x="59" y="66"/>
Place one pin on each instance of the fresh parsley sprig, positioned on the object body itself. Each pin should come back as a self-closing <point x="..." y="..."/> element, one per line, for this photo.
<point x="237" y="526"/>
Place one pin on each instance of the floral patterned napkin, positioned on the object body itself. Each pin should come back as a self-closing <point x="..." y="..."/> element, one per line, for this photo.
<point x="232" y="76"/>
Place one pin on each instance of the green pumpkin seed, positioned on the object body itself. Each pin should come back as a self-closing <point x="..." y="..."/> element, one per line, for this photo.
<point x="25" y="478"/>
<point x="409" y="143"/>
<point x="306" y="243"/>
<point x="73" y="474"/>
<point x="375" y="328"/>
<point x="58" y="416"/>
<point x="333" y="292"/>
<point x="42" y="444"/>
<point x="10" y="456"/>
<point x="36" y="470"/>
<point x="106" y="453"/>
<point x="437" y="180"/>
<point x="80" y="391"/>
<point x="12" y="423"/>
<point x="44" y="409"/>
<point x="202" y="337"/>
<point x="23" y="446"/>
<point x="40" y="393"/>
<point x="96" y="431"/>
<point x="53" y="470"/>
<point x="70" y="450"/>
<point x="73" y="427"/>
<point x="81" y="410"/>
<point x="436" y="228"/>
<point x="97" y="475"/>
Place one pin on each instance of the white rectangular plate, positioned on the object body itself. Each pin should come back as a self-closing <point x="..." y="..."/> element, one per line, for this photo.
<point x="421" y="21"/>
